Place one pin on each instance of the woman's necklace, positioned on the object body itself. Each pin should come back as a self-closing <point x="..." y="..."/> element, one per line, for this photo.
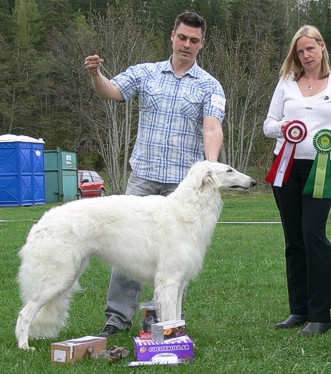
<point x="310" y="86"/>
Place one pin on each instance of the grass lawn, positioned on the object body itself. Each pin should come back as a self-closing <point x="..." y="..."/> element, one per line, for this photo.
<point x="231" y="307"/>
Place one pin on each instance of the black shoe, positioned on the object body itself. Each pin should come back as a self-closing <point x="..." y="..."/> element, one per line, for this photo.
<point x="108" y="331"/>
<point x="314" y="328"/>
<point x="292" y="321"/>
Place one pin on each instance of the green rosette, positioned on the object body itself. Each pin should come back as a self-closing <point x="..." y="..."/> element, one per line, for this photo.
<point x="319" y="180"/>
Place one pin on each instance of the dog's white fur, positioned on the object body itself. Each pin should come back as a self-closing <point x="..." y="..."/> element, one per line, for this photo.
<point x="153" y="239"/>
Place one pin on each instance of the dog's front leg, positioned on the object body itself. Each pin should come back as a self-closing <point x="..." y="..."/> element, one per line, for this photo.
<point x="180" y="300"/>
<point x="166" y="291"/>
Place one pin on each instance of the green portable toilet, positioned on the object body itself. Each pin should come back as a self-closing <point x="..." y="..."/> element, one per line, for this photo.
<point x="61" y="176"/>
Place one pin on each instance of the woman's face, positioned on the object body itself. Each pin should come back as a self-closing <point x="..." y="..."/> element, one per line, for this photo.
<point x="310" y="53"/>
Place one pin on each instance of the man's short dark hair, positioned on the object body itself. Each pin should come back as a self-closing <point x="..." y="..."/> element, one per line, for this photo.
<point x="191" y="19"/>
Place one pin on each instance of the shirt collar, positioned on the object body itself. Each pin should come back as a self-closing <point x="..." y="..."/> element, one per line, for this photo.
<point x="193" y="71"/>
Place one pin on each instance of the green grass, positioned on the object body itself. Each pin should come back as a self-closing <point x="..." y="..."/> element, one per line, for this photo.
<point x="231" y="307"/>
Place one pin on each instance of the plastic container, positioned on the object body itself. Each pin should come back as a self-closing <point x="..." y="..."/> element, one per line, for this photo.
<point x="150" y="312"/>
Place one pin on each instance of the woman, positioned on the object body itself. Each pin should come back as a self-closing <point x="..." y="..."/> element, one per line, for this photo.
<point x="303" y="94"/>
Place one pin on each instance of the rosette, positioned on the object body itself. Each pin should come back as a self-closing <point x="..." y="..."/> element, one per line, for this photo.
<point x="319" y="180"/>
<point x="294" y="132"/>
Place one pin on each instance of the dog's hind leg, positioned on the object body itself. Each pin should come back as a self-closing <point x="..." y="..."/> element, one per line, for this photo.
<point x="24" y="320"/>
<point x="46" y="306"/>
<point x="45" y="316"/>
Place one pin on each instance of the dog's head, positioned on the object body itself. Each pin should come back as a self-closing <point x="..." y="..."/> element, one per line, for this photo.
<point x="222" y="175"/>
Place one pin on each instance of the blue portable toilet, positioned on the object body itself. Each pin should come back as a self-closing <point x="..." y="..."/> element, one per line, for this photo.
<point x="22" y="171"/>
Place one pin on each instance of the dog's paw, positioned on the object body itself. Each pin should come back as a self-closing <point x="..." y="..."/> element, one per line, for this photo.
<point x="25" y="347"/>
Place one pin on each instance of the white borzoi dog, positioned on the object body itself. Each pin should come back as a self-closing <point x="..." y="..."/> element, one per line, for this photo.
<point x="152" y="239"/>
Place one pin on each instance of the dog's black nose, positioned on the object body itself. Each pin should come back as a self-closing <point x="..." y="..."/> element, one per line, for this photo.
<point x="253" y="183"/>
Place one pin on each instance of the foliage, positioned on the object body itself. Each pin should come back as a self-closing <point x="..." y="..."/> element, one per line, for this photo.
<point x="7" y="23"/>
<point x="26" y="16"/>
<point x="45" y="92"/>
<point x="102" y="126"/>
<point x="247" y="88"/>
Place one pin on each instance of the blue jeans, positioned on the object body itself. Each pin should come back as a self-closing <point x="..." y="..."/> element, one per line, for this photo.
<point x="124" y="293"/>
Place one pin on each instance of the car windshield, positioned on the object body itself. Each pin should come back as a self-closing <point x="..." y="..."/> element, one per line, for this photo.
<point x="95" y="176"/>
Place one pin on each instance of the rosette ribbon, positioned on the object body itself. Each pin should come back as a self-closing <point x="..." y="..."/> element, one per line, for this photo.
<point x="294" y="132"/>
<point x="319" y="181"/>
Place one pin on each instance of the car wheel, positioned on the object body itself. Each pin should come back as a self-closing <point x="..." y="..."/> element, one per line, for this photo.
<point x="80" y="195"/>
<point x="102" y="192"/>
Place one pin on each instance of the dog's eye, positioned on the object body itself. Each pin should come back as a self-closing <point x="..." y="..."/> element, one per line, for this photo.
<point x="229" y="171"/>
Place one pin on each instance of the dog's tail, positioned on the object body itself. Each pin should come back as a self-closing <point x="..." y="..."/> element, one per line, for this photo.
<point x="52" y="317"/>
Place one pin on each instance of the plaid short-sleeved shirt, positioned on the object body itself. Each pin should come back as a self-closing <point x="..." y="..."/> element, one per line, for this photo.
<point x="171" y="111"/>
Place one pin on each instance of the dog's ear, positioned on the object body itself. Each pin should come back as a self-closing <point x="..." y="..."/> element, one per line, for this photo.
<point x="207" y="180"/>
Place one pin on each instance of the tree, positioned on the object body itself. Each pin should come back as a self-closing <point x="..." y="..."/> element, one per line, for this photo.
<point x="25" y="74"/>
<point x="123" y="37"/>
<point x="27" y="18"/>
<point x="319" y="15"/>
<point x="7" y="24"/>
<point x="45" y="92"/>
<point x="245" y="77"/>
<point x="6" y="112"/>
<point x="86" y="6"/>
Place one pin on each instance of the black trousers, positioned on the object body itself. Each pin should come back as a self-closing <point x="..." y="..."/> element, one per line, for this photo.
<point x="307" y="249"/>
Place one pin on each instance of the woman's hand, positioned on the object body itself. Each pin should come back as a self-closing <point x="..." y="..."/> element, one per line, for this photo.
<point x="284" y="124"/>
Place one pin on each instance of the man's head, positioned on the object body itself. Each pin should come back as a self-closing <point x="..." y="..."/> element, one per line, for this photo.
<point x="188" y="37"/>
<point x="191" y="19"/>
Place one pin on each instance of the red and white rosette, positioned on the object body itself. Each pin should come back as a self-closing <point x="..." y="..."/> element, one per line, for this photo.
<point x="294" y="133"/>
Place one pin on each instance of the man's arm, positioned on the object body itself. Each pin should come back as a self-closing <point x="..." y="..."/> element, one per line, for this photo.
<point x="102" y="86"/>
<point x="212" y="137"/>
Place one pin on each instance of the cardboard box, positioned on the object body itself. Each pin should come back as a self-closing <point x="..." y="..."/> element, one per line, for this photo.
<point x="168" y="330"/>
<point x="182" y="347"/>
<point x="76" y="349"/>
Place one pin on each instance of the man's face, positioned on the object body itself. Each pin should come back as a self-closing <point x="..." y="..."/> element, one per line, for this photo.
<point x="186" y="43"/>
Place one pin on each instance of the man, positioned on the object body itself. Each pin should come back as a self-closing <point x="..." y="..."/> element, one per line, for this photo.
<point x="180" y="122"/>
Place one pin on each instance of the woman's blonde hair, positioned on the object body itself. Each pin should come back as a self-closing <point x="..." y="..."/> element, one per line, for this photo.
<point x="292" y="63"/>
